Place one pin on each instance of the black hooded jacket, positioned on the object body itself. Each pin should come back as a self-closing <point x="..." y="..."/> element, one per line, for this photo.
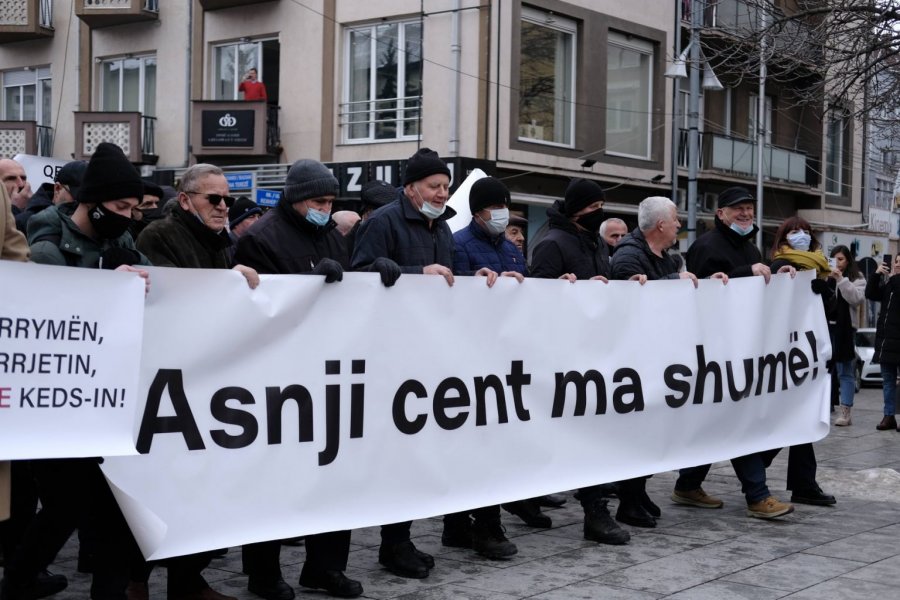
<point x="634" y="257"/>
<point x="725" y="250"/>
<point x="569" y="249"/>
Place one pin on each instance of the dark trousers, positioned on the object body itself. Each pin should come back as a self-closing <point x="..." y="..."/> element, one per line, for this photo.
<point x="23" y="505"/>
<point x="691" y="478"/>
<point x="69" y="489"/>
<point x="486" y="515"/>
<point x="395" y="533"/>
<point x="801" y="471"/>
<point x="324" y="552"/>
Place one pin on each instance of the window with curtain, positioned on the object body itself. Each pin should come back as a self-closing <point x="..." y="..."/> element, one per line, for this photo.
<point x="629" y="95"/>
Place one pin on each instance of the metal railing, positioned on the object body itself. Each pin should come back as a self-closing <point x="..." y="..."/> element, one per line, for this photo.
<point x="738" y="156"/>
<point x="151" y="5"/>
<point x="148" y="135"/>
<point x="384" y="119"/>
<point x="44" y="140"/>
<point x="273" y="131"/>
<point x="46" y="16"/>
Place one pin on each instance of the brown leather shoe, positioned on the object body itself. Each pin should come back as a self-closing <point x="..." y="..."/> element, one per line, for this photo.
<point x="887" y="422"/>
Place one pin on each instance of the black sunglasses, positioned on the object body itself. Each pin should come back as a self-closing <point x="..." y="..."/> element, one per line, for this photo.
<point x="214" y="199"/>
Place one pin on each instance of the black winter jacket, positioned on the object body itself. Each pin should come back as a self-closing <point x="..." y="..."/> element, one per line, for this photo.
<point x="633" y="256"/>
<point x="723" y="249"/>
<point x="568" y="249"/>
<point x="180" y="240"/>
<point x="400" y="232"/>
<point x="887" y="330"/>
<point x="283" y="242"/>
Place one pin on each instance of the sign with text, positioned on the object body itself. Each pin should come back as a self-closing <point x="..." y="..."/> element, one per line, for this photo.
<point x="267" y="197"/>
<point x="229" y="128"/>
<point x="68" y="369"/>
<point x="240" y="181"/>
<point x="351" y="386"/>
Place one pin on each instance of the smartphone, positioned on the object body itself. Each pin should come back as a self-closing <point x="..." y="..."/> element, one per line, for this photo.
<point x="887" y="259"/>
<point x="832" y="263"/>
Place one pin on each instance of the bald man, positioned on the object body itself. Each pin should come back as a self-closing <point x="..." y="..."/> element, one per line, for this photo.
<point x="13" y="177"/>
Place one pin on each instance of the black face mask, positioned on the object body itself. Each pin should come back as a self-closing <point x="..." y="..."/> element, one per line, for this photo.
<point x="592" y="220"/>
<point x="108" y="224"/>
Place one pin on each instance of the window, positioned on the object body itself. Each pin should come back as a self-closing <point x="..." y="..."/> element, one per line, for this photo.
<point x="129" y="84"/>
<point x="834" y="151"/>
<point x="231" y="65"/>
<point x="547" y="78"/>
<point x="767" y="124"/>
<point x="383" y="82"/>
<point x="27" y="95"/>
<point x="629" y="92"/>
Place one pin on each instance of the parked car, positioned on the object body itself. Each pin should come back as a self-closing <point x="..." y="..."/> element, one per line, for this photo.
<point x="867" y="373"/>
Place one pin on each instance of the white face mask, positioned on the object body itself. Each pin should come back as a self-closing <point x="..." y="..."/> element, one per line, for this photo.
<point x="741" y="230"/>
<point x="498" y="221"/>
<point x="799" y="240"/>
<point x="428" y="209"/>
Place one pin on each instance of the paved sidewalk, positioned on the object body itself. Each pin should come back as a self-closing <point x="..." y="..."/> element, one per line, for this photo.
<point x="844" y="552"/>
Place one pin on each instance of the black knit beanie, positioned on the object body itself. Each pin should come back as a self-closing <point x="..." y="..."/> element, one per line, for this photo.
<point x="307" y="179"/>
<point x="487" y="191"/>
<point x="375" y="194"/>
<point x="422" y="164"/>
<point x="581" y="193"/>
<point x="243" y="207"/>
<point x="110" y="176"/>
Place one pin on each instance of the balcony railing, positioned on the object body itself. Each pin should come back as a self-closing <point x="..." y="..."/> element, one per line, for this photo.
<point x="133" y="132"/>
<point x="25" y="137"/>
<point x="26" y="20"/>
<point x="106" y="13"/>
<point x="218" y="4"/>
<point x="738" y="157"/>
<point x="273" y="130"/>
<point x="148" y="135"/>
<point x="44" y="140"/>
<point x="382" y="119"/>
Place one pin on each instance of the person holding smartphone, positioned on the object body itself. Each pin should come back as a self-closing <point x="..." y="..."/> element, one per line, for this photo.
<point x="252" y="88"/>
<point x="882" y="287"/>
<point x="849" y="286"/>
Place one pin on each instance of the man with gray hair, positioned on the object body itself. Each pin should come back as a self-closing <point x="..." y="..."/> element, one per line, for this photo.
<point x="612" y="231"/>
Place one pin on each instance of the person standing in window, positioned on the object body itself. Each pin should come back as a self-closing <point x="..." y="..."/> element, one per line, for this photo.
<point x="252" y="88"/>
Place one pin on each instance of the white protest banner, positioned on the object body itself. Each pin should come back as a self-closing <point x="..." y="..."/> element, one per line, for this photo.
<point x="39" y="169"/>
<point x="459" y="201"/>
<point x="70" y="347"/>
<point x="302" y="407"/>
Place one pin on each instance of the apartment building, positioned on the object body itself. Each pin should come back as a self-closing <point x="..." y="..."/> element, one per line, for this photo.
<point x="535" y="92"/>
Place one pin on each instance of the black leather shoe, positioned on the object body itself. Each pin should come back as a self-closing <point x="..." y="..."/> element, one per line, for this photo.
<point x="334" y="582"/>
<point x="271" y="590"/>
<point x="551" y="500"/>
<point x="649" y="505"/>
<point x="426" y="559"/>
<point x="634" y="514"/>
<point x="453" y="537"/>
<point x="45" y="584"/>
<point x="599" y="525"/>
<point x="814" y="496"/>
<point x="530" y="512"/>
<point x="401" y="559"/>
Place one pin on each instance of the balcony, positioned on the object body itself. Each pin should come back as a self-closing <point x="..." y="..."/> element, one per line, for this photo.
<point x="25" y="137"/>
<point x="133" y="132"/>
<point x="234" y="128"/>
<point x="106" y="13"/>
<point x="219" y="4"/>
<point x="735" y="156"/>
<point x="25" y="20"/>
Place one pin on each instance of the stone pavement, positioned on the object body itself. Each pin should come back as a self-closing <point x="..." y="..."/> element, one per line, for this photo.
<point x="847" y="551"/>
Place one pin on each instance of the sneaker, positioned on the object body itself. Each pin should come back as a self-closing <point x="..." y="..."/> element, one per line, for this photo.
<point x="599" y="525"/>
<point x="697" y="498"/>
<point x="490" y="541"/>
<point x="844" y="418"/>
<point x="769" y="508"/>
<point x="887" y="422"/>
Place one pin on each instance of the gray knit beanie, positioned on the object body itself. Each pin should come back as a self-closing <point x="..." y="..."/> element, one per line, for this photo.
<point x="307" y="179"/>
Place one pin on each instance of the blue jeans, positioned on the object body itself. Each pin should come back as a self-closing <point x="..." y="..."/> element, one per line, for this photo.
<point x="847" y="376"/>
<point x="889" y="387"/>
<point x="751" y="471"/>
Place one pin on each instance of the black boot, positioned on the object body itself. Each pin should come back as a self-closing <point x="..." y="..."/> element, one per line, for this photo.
<point x="402" y="559"/>
<point x="334" y="582"/>
<point x="599" y="525"/>
<point x="45" y="584"/>
<point x="634" y="514"/>
<point x="457" y="531"/>
<point x="530" y="512"/>
<point x="489" y="540"/>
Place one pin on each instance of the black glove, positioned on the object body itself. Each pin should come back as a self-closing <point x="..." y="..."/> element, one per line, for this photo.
<point x="819" y="286"/>
<point x="114" y="257"/>
<point x="388" y="269"/>
<point x="330" y="268"/>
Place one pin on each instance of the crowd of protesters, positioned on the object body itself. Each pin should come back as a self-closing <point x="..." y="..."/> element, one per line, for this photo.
<point x="102" y="214"/>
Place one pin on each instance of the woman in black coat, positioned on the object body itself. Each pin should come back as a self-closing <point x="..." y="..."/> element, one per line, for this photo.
<point x="882" y="287"/>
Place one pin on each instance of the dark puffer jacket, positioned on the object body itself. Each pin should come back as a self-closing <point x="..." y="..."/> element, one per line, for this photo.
<point x="284" y="242"/>
<point x="887" y="330"/>
<point x="633" y="256"/>
<point x="180" y="240"/>
<point x="723" y="249"/>
<point x="569" y="249"/>
<point x="400" y="232"/>
<point x="474" y="248"/>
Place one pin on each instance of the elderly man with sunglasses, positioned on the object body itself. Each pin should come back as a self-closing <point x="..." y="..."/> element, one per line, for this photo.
<point x="194" y="236"/>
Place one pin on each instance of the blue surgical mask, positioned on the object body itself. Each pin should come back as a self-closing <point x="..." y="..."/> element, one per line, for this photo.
<point x="498" y="221"/>
<point x="741" y="230"/>
<point x="799" y="240"/>
<point x="317" y="217"/>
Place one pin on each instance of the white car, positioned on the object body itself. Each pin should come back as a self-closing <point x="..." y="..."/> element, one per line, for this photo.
<point x="867" y="373"/>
